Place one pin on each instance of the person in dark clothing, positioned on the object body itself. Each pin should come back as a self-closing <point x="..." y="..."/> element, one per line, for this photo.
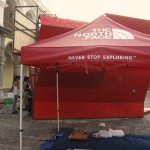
<point x="27" y="91"/>
<point x="27" y="95"/>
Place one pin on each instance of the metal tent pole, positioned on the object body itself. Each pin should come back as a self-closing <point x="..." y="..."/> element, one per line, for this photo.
<point x="21" y="95"/>
<point x="57" y="86"/>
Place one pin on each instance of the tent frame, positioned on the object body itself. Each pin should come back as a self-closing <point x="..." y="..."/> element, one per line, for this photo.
<point x="21" y="102"/>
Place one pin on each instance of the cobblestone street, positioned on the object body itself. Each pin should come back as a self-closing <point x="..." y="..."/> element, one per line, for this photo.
<point x="35" y="131"/>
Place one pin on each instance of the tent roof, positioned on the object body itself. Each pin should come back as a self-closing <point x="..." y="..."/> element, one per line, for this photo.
<point x="53" y="26"/>
<point x="103" y="40"/>
<point x="140" y="25"/>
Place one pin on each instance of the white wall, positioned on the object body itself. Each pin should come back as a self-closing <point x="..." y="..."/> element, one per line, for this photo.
<point x="2" y="6"/>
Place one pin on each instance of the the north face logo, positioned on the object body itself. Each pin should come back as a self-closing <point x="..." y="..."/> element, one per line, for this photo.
<point x="104" y="33"/>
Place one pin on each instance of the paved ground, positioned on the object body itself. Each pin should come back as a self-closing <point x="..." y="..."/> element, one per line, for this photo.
<point x="36" y="131"/>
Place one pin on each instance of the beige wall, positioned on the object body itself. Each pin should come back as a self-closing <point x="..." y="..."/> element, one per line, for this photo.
<point x="7" y="41"/>
<point x="8" y="74"/>
<point x="25" y="71"/>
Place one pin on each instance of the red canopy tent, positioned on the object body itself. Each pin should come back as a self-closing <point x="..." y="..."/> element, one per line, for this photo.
<point x="104" y="70"/>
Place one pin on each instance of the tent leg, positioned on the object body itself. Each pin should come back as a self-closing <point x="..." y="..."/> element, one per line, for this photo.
<point x="21" y="94"/>
<point x="57" y="101"/>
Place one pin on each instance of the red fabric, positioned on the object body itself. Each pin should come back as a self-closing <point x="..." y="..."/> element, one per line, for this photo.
<point x="104" y="71"/>
<point x="76" y="46"/>
<point x="88" y="110"/>
<point x="116" y="93"/>
<point x="60" y="22"/>
<point x="53" y="26"/>
<point x="140" y="25"/>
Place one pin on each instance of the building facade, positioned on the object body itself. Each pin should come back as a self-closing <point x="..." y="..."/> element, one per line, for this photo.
<point x="10" y="62"/>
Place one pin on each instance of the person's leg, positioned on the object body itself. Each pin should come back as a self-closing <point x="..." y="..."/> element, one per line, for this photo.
<point x="26" y="99"/>
<point x="1" y="106"/>
<point x="14" y="103"/>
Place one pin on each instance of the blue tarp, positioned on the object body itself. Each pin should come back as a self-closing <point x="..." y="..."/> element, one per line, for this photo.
<point x="128" y="142"/>
<point x="48" y="144"/>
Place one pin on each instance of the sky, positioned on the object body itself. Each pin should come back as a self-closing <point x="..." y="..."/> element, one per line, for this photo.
<point x="88" y="10"/>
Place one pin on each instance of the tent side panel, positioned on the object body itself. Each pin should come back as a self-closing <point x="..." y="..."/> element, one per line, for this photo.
<point x="115" y="93"/>
<point x="90" y="110"/>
